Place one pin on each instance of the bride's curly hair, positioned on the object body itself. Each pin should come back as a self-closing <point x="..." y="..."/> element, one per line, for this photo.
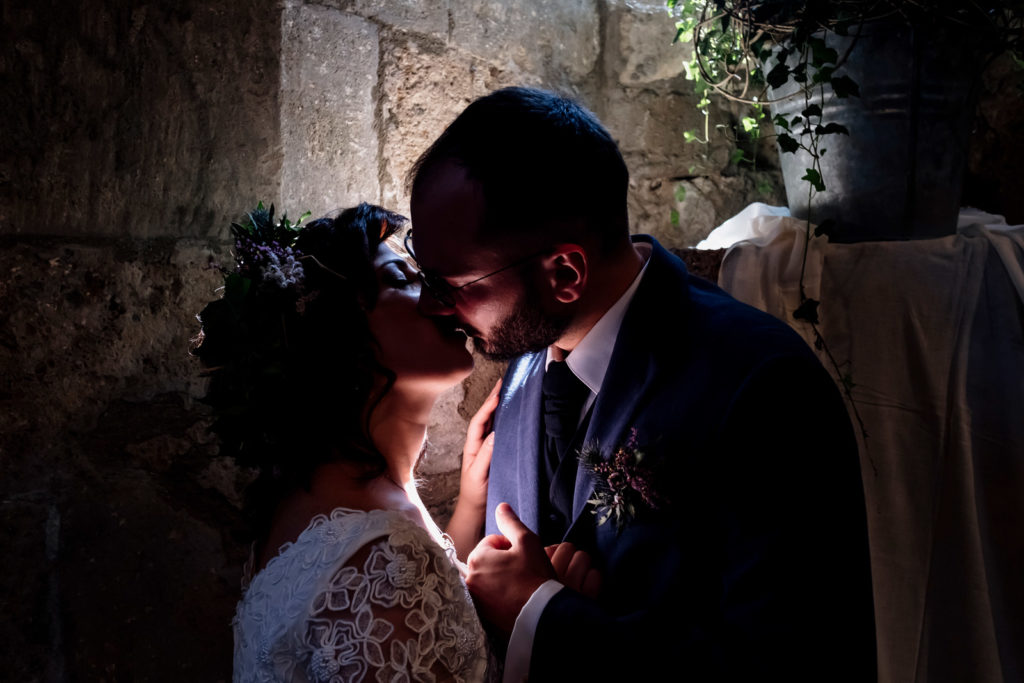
<point x="293" y="371"/>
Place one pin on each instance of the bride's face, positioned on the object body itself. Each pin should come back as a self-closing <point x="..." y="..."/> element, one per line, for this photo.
<point x="412" y="345"/>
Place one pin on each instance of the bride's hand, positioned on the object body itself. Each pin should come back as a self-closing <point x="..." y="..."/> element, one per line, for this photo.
<point x="574" y="569"/>
<point x="466" y="526"/>
<point x="476" y="454"/>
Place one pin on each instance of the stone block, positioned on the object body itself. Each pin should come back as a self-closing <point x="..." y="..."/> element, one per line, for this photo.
<point x="86" y="324"/>
<point x="137" y="119"/>
<point x="423" y="87"/>
<point x="149" y="580"/>
<point x="640" y="50"/>
<point x="649" y="126"/>
<point x="703" y="203"/>
<point x="426" y="17"/>
<point x="556" y="39"/>
<point x="328" y="82"/>
<point x="30" y="629"/>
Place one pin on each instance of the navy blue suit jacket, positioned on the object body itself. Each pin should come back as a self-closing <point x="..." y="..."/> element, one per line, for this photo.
<point x="759" y="566"/>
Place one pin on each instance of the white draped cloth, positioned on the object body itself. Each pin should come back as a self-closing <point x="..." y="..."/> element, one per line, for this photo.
<point x="361" y="596"/>
<point x="931" y="333"/>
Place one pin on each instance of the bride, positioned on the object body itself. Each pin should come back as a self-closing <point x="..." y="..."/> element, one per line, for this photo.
<point x="323" y="374"/>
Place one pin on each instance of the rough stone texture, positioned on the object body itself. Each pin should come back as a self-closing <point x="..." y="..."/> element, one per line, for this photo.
<point x="124" y="527"/>
<point x="706" y="201"/>
<point x="647" y="104"/>
<point x="136" y="118"/>
<point x="424" y="85"/>
<point x="645" y="32"/>
<point x="558" y="39"/>
<point x="328" y="81"/>
<point x="133" y="133"/>
<point x="425" y="17"/>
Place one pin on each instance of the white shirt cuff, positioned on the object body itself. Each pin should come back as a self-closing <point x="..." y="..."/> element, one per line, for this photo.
<point x="520" y="643"/>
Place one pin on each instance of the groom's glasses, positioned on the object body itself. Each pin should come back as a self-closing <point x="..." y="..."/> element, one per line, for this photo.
<point x="441" y="290"/>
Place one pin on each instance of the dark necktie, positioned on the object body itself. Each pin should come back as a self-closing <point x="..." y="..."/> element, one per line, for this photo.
<point x="563" y="397"/>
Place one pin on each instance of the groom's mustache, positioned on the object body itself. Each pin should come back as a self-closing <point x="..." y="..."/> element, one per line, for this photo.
<point x="450" y="326"/>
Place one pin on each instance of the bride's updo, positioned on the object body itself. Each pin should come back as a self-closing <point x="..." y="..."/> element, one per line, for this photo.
<point x="288" y="349"/>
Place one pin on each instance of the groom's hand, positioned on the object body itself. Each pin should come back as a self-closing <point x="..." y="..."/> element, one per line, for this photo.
<point x="574" y="570"/>
<point x="505" y="570"/>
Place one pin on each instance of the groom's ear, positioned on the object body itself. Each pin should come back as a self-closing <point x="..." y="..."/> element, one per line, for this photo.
<point x="567" y="269"/>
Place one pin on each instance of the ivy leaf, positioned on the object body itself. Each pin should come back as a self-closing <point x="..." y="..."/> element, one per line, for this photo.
<point x="821" y="53"/>
<point x="808" y="311"/>
<point x="236" y="286"/>
<point x="826" y="227"/>
<point x="781" y="122"/>
<point x="736" y="156"/>
<point x="787" y="143"/>
<point x="679" y="31"/>
<point x="680" y="193"/>
<point x="778" y="75"/>
<point x="831" y="128"/>
<point x="673" y="217"/>
<point x="844" y="86"/>
<point x="814" y="178"/>
<point x="823" y="74"/>
<point x="813" y="110"/>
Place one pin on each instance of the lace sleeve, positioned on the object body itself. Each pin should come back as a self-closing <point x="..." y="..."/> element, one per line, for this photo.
<point x="395" y="610"/>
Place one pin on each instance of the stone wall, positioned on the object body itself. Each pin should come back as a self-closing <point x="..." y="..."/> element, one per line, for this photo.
<point x="132" y="134"/>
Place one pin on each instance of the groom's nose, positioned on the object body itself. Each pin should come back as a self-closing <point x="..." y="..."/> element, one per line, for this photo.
<point x="430" y="306"/>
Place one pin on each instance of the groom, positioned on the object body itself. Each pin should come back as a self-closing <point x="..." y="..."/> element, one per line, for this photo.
<point x="742" y="552"/>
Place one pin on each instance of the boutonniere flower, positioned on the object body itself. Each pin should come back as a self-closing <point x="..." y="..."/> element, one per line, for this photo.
<point x="624" y="484"/>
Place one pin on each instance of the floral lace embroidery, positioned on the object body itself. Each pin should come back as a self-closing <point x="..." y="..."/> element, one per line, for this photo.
<point x="360" y="596"/>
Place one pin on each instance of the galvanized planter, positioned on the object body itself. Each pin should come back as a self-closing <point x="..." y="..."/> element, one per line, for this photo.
<point x="899" y="173"/>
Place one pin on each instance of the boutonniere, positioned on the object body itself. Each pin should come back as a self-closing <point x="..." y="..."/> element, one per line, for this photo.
<point x="624" y="484"/>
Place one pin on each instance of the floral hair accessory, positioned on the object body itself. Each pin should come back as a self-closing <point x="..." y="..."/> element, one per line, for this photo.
<point x="625" y="483"/>
<point x="265" y="251"/>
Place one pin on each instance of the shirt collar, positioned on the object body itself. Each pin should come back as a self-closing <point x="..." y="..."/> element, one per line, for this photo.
<point x="589" y="360"/>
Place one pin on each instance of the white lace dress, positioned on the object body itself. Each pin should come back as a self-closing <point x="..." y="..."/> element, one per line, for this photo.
<point x="360" y="596"/>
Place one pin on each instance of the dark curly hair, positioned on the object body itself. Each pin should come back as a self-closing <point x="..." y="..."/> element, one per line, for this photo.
<point x="294" y="374"/>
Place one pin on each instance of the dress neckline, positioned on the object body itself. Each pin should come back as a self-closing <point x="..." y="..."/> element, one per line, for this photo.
<point x="336" y="515"/>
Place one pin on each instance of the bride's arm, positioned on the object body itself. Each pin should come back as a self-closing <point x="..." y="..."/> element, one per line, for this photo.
<point x="466" y="526"/>
<point x="390" y="611"/>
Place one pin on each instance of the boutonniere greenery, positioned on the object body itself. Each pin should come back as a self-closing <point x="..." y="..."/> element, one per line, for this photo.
<point x="624" y="482"/>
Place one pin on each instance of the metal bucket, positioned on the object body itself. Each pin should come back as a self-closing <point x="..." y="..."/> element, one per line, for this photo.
<point x="899" y="173"/>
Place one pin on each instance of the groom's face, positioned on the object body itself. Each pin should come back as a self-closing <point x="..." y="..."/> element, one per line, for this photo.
<point x="504" y="312"/>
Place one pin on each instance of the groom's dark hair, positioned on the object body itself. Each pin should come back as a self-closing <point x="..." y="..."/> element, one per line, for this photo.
<point x="543" y="162"/>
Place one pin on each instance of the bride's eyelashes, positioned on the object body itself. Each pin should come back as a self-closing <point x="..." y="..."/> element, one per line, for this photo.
<point x="398" y="275"/>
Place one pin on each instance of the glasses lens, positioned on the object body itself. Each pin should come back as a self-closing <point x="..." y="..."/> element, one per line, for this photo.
<point x="438" y="288"/>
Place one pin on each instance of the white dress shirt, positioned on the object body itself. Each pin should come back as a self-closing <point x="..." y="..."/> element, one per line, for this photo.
<point x="589" y="362"/>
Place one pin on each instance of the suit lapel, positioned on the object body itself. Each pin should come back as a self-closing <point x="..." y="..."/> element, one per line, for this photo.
<point x="524" y="398"/>
<point x="632" y="369"/>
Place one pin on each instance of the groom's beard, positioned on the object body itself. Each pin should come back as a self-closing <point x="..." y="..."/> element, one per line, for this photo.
<point x="526" y="329"/>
